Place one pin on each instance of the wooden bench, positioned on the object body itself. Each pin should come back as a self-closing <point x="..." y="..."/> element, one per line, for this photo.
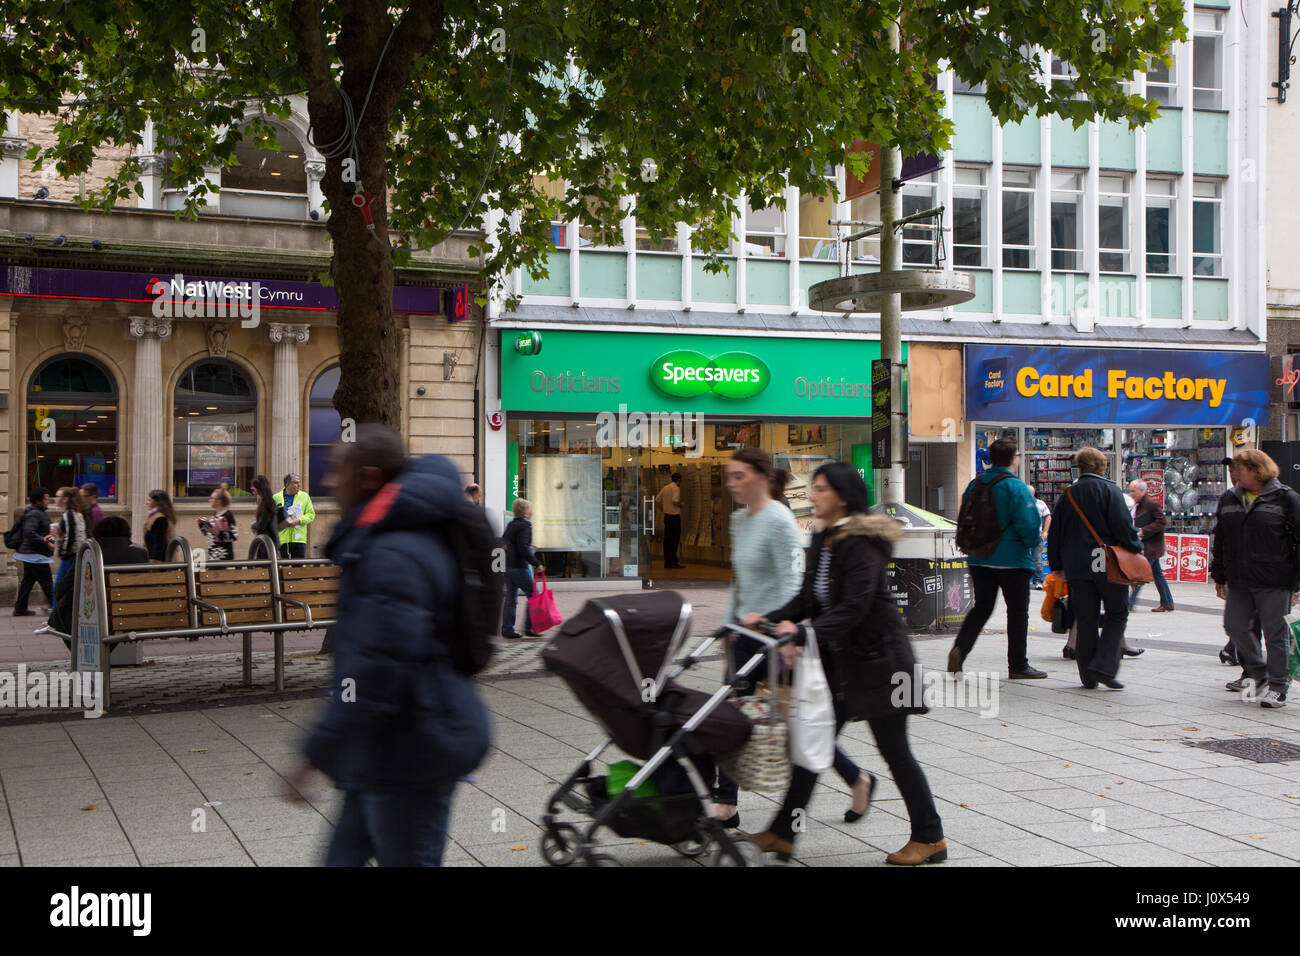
<point x="195" y="598"/>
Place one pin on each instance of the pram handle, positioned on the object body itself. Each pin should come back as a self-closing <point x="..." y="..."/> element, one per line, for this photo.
<point x="763" y="635"/>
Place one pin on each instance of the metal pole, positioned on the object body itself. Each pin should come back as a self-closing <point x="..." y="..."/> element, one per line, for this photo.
<point x="891" y="260"/>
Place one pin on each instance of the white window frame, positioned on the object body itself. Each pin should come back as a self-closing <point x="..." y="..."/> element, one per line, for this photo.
<point x="918" y="241"/>
<point x="757" y="237"/>
<point x="1115" y="189"/>
<point x="1209" y="24"/>
<point x="825" y="248"/>
<point x="1059" y="194"/>
<point x="1164" y="91"/>
<point x="1029" y="190"/>
<point x="1159" y="197"/>
<point x="976" y="186"/>
<point x="1208" y="193"/>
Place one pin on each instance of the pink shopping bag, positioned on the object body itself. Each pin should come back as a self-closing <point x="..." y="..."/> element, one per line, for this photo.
<point x="541" y="605"/>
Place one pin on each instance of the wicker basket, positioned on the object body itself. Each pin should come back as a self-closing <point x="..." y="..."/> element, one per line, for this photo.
<point x="763" y="763"/>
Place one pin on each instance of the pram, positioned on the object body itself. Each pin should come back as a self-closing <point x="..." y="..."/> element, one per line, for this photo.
<point x="603" y="653"/>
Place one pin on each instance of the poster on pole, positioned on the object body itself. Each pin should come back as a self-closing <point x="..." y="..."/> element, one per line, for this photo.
<point x="1155" y="479"/>
<point x="211" y="458"/>
<point x="882" y="445"/>
<point x="565" y="492"/>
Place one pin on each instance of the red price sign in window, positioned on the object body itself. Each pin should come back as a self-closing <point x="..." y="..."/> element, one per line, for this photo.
<point x="459" y="304"/>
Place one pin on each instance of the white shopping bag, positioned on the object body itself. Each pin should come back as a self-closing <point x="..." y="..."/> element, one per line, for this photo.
<point x="812" y="712"/>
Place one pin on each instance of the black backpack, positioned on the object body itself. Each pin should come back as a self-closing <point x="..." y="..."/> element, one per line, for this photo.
<point x="14" y="536"/>
<point x="978" y="531"/>
<point x="480" y="557"/>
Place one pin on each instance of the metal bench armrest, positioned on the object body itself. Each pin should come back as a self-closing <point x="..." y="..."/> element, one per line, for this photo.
<point x="306" y="609"/>
<point x="221" y="614"/>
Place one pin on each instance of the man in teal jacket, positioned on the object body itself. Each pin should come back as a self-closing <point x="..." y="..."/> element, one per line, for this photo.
<point x="1009" y="568"/>
<point x="298" y="513"/>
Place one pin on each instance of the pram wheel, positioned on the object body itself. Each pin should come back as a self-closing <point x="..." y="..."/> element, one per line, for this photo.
<point x="750" y="852"/>
<point x="697" y="845"/>
<point x="560" y="845"/>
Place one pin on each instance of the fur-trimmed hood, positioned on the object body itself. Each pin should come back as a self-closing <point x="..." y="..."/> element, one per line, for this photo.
<point x="882" y="527"/>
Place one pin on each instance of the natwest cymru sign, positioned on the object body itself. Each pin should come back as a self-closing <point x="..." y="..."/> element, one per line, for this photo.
<point x="102" y="286"/>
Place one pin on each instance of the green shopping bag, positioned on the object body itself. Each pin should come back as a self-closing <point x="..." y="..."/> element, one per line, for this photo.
<point x="619" y="775"/>
<point x="1293" y="625"/>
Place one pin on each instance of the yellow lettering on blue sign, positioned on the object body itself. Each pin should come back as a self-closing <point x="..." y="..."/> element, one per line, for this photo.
<point x="1030" y="384"/>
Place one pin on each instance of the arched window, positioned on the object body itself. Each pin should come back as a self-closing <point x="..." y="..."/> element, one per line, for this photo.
<point x="72" y="426"/>
<point x="266" y="183"/>
<point x="215" y="435"/>
<point x="324" y="428"/>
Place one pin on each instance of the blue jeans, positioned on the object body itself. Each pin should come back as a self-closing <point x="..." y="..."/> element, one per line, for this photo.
<point x="66" y="565"/>
<point x="402" y="828"/>
<point x="517" y="579"/>
<point x="1166" y="598"/>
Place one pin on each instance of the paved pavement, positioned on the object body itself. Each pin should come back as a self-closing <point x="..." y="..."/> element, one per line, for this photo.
<point x="1052" y="775"/>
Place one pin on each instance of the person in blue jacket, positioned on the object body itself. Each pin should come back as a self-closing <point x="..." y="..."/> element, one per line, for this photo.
<point x="1009" y="568"/>
<point x="402" y="724"/>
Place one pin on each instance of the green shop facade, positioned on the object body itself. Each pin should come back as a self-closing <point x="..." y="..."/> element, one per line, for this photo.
<point x="594" y="424"/>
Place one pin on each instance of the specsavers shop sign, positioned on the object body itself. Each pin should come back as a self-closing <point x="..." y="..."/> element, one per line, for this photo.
<point x="1115" y="386"/>
<point x="598" y="371"/>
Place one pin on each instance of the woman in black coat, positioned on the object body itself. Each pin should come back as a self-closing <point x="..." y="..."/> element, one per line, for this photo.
<point x="864" y="650"/>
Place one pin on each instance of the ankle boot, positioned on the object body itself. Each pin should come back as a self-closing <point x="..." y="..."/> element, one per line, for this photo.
<point x="914" y="854"/>
<point x="768" y="842"/>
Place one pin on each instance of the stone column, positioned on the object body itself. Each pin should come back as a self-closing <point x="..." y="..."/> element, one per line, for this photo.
<point x="149" y="463"/>
<point x="286" y="407"/>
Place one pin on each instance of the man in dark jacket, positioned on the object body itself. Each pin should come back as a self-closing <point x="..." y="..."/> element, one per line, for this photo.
<point x="402" y="724"/>
<point x="521" y="559"/>
<point x="1073" y="551"/>
<point x="1149" y="519"/>
<point x="35" y="554"/>
<point x="1255" y="568"/>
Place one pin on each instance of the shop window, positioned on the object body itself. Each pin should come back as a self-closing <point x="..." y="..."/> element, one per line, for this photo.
<point x="865" y="208"/>
<point x="969" y="220"/>
<point x="1162" y="204"/>
<point x="1018" y="231"/>
<point x="214" y="431"/>
<point x="588" y="235"/>
<point x="551" y="194"/>
<point x="1063" y="76"/>
<point x="1207" y="60"/>
<point x="918" y="195"/>
<point x="764" y="231"/>
<point x="1067" y="204"/>
<point x="268" y="182"/>
<point x="816" y="238"/>
<point x="1162" y="82"/>
<point x="323" y="430"/>
<point x="72" y="426"/>
<point x="961" y="86"/>
<point x="1207" y="228"/>
<point x="1113" y="223"/>
<point x="645" y="242"/>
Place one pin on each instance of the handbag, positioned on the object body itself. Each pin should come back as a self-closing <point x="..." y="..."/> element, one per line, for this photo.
<point x="542" y="612"/>
<point x="1062" y="616"/>
<point x="1122" y="566"/>
<point x="763" y="763"/>
<point x="812" y="720"/>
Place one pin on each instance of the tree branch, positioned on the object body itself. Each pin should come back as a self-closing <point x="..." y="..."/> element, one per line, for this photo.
<point x="416" y="33"/>
<point x="314" y="61"/>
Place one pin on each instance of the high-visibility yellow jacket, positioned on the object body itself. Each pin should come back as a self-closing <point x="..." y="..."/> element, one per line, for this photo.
<point x="296" y="534"/>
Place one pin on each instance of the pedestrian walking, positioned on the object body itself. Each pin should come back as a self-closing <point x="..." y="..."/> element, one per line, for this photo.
<point x="845" y="597"/>
<point x="219" y="529"/>
<point x="298" y="514"/>
<point x="402" y="724"/>
<point x="269" y="516"/>
<point x="474" y="493"/>
<point x="113" y="535"/>
<point x="35" y="553"/>
<point x="1149" y="519"/>
<point x="90" y="495"/>
<point x="159" y="525"/>
<point x="670" y="502"/>
<point x="1045" y="522"/>
<point x="1256" y="571"/>
<point x="71" y="529"/>
<point x="766" y="567"/>
<point x="1073" y="551"/>
<point x="1228" y="655"/>
<point x="521" y="559"/>
<point x="999" y="508"/>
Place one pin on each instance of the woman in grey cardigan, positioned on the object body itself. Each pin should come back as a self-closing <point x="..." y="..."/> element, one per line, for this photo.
<point x="767" y="563"/>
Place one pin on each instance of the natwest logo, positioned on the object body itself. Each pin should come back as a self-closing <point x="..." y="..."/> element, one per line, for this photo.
<point x="685" y="373"/>
<point x="206" y="299"/>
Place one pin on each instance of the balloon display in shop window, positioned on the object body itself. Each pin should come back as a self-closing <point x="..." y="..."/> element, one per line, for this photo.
<point x="1172" y="502"/>
<point x="1190" y="499"/>
<point x="1190" y="473"/>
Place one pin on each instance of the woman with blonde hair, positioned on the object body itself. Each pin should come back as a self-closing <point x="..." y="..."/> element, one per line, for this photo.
<point x="72" y="528"/>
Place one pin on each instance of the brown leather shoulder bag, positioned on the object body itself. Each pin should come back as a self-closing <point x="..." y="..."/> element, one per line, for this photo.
<point x="1122" y="565"/>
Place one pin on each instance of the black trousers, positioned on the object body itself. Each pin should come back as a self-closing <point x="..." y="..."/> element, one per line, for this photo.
<point x="1014" y="584"/>
<point x="1098" y="653"/>
<point x="34" y="574"/>
<point x="891" y="740"/>
<point x="672" y="537"/>
<point x="294" y="550"/>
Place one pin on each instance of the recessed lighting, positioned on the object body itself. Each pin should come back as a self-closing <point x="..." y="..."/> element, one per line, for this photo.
<point x="293" y="156"/>
<point x="211" y="408"/>
<point x="193" y="413"/>
<point x="274" y="173"/>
